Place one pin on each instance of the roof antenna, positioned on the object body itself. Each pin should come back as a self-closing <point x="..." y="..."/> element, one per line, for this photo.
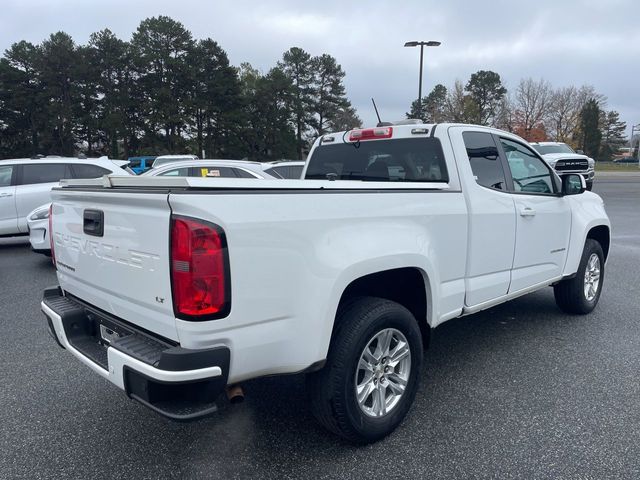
<point x="380" y="122"/>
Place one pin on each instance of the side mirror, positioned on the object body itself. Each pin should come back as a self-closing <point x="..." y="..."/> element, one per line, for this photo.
<point x="573" y="184"/>
<point x="579" y="152"/>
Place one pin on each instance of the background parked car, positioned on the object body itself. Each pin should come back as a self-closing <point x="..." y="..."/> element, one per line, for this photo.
<point x="140" y="164"/>
<point x="285" y="169"/>
<point x="163" y="159"/>
<point x="213" y="169"/>
<point x="38" y="222"/>
<point x="626" y="160"/>
<point x="25" y="183"/>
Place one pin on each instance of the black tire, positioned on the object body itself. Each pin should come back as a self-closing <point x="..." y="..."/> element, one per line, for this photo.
<point x="589" y="185"/>
<point x="569" y="294"/>
<point x="332" y="390"/>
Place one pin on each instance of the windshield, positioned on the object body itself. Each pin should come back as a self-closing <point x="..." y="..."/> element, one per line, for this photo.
<point x="560" y="148"/>
<point x="397" y="160"/>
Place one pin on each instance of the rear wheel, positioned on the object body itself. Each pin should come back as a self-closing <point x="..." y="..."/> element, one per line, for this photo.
<point x="371" y="376"/>
<point x="581" y="293"/>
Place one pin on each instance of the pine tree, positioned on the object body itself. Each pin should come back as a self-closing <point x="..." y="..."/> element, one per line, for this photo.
<point x="589" y="128"/>
<point x="22" y="117"/>
<point x="613" y="134"/>
<point x="329" y="98"/>
<point x="215" y="103"/>
<point x="433" y="106"/>
<point x="299" y="67"/>
<point x="161" y="46"/>
<point x="486" y="91"/>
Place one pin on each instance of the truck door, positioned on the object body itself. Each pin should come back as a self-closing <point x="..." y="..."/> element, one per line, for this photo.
<point x="543" y="217"/>
<point x="492" y="220"/>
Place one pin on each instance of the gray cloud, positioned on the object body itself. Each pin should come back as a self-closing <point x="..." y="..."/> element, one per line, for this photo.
<point x="571" y="42"/>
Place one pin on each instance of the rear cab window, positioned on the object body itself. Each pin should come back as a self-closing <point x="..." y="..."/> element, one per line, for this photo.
<point x="390" y="160"/>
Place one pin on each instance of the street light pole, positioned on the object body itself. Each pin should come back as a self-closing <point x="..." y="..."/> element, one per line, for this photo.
<point x="430" y="43"/>
<point x="420" y="82"/>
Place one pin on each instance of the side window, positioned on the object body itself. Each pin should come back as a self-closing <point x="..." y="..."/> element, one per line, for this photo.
<point x="240" y="173"/>
<point x="33" y="173"/>
<point x="88" y="171"/>
<point x="214" y="172"/>
<point x="273" y="172"/>
<point x="530" y="174"/>
<point x="6" y="172"/>
<point x="176" y="172"/>
<point x="485" y="160"/>
<point x="287" y="171"/>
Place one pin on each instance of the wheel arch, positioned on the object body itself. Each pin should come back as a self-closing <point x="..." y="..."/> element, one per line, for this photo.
<point x="410" y="286"/>
<point x="602" y="235"/>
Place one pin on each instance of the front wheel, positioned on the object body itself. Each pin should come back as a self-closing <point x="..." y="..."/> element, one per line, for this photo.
<point x="581" y="293"/>
<point x="371" y="376"/>
<point x="589" y="185"/>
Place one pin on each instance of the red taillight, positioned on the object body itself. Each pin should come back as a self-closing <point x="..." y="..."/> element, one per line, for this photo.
<point x="199" y="269"/>
<point x="51" y="242"/>
<point x="370" y="134"/>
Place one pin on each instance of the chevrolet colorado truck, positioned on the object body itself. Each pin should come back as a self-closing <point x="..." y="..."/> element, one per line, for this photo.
<point x="175" y="289"/>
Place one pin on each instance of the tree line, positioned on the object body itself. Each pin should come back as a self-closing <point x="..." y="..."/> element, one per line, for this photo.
<point x="534" y="110"/>
<point x="164" y="92"/>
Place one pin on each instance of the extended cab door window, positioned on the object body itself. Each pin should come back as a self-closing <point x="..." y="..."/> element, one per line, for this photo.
<point x="485" y="160"/>
<point x="530" y="174"/>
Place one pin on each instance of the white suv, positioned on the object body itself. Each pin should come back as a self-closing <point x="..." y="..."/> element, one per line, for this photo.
<point x="26" y="184"/>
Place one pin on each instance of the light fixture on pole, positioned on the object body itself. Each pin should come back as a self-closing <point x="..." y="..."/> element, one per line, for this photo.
<point x="430" y="43"/>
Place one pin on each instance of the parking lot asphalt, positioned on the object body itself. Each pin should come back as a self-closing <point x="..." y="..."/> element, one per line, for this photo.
<point x="518" y="391"/>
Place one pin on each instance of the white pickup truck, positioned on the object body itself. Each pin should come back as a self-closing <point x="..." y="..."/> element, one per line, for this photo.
<point x="175" y="289"/>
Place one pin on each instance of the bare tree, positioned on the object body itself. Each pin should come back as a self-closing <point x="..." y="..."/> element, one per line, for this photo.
<point x="505" y="114"/>
<point x="563" y="118"/>
<point x="532" y="101"/>
<point x="459" y="107"/>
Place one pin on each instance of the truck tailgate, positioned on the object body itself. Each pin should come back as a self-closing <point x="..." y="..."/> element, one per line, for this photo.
<point x="112" y="251"/>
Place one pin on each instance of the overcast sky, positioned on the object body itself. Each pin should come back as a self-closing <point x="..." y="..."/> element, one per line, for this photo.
<point x="594" y="42"/>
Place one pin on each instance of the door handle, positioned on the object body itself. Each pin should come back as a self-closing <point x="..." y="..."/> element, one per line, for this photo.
<point x="6" y="195"/>
<point x="527" y="212"/>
